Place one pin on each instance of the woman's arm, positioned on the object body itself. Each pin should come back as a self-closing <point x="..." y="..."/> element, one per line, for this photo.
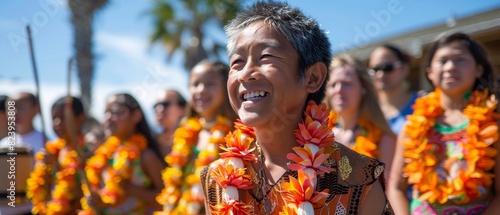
<point x="152" y="167"/>
<point x="375" y="201"/>
<point x="387" y="147"/>
<point x="398" y="186"/>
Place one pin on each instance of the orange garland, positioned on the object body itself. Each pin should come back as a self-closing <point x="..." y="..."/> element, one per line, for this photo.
<point x="364" y="144"/>
<point x="185" y="139"/>
<point x="316" y="139"/>
<point x="64" y="189"/>
<point x="421" y="158"/>
<point x="368" y="144"/>
<point x="123" y="154"/>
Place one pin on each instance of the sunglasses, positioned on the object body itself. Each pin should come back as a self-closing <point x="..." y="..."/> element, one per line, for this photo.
<point x="164" y="104"/>
<point x="385" y="68"/>
<point x="118" y="113"/>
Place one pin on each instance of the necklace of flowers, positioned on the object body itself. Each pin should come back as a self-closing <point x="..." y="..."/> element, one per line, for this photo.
<point x="420" y="153"/>
<point x="185" y="139"/>
<point x="123" y="155"/>
<point x="366" y="144"/>
<point x="316" y="140"/>
<point x="64" y="189"/>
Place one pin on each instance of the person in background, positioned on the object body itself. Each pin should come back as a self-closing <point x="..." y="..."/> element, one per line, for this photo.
<point x="448" y="149"/>
<point x="27" y="142"/>
<point x="360" y="124"/>
<point x="54" y="186"/>
<point x="169" y="110"/>
<point x="26" y="109"/>
<point x="125" y="171"/>
<point x="3" y="116"/>
<point x="197" y="140"/>
<point x="389" y="68"/>
<point x="93" y="136"/>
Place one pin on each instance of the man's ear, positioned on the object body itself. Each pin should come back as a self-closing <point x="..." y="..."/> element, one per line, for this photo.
<point x="315" y="77"/>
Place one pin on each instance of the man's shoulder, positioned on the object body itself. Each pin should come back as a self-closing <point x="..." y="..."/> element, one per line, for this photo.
<point x="354" y="168"/>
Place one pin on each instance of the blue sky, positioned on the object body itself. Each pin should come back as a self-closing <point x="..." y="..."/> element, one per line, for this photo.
<point x="126" y="62"/>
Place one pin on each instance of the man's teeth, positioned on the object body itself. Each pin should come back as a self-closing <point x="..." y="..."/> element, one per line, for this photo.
<point x="253" y="95"/>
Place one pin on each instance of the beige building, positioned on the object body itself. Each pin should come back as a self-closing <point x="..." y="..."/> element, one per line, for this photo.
<point x="484" y="27"/>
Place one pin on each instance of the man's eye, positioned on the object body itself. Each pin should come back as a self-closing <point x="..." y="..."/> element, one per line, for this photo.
<point x="265" y="56"/>
<point x="237" y="64"/>
<point x="236" y="61"/>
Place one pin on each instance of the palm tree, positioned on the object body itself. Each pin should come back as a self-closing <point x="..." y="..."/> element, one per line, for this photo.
<point x="176" y="20"/>
<point x="82" y="16"/>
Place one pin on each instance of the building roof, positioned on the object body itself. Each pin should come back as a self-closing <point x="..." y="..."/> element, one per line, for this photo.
<point x="413" y="42"/>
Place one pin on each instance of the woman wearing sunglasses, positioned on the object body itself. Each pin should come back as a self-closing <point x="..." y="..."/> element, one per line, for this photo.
<point x="389" y="67"/>
<point x="169" y="109"/>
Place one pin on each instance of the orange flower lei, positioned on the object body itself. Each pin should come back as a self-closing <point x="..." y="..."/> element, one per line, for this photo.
<point x="64" y="189"/>
<point x="123" y="154"/>
<point x="365" y="144"/>
<point x="481" y="133"/>
<point x="368" y="144"/>
<point x="315" y="137"/>
<point x="185" y="139"/>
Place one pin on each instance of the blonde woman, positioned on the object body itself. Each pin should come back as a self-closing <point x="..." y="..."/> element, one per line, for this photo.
<point x="360" y="123"/>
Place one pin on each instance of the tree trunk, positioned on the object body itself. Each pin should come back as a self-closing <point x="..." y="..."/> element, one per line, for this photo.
<point x="197" y="53"/>
<point x="82" y="20"/>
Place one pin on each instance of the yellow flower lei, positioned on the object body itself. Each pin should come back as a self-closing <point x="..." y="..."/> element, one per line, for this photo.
<point x="185" y="139"/>
<point x="64" y="189"/>
<point x="419" y="152"/>
<point x="123" y="154"/>
<point x="316" y="139"/>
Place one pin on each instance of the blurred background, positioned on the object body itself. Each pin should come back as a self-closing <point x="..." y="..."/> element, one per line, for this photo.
<point x="144" y="47"/>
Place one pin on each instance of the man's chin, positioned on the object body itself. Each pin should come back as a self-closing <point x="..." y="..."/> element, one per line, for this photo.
<point x="250" y="119"/>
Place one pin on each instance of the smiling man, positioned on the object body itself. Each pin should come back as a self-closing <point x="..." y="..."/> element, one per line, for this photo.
<point x="279" y="66"/>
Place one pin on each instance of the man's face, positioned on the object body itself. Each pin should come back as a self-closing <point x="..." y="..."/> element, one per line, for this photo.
<point x="263" y="78"/>
<point x="25" y="111"/>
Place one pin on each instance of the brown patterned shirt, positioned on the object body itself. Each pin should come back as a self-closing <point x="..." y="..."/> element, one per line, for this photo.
<point x="348" y="185"/>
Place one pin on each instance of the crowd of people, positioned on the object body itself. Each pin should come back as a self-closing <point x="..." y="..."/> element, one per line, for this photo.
<point x="285" y="128"/>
